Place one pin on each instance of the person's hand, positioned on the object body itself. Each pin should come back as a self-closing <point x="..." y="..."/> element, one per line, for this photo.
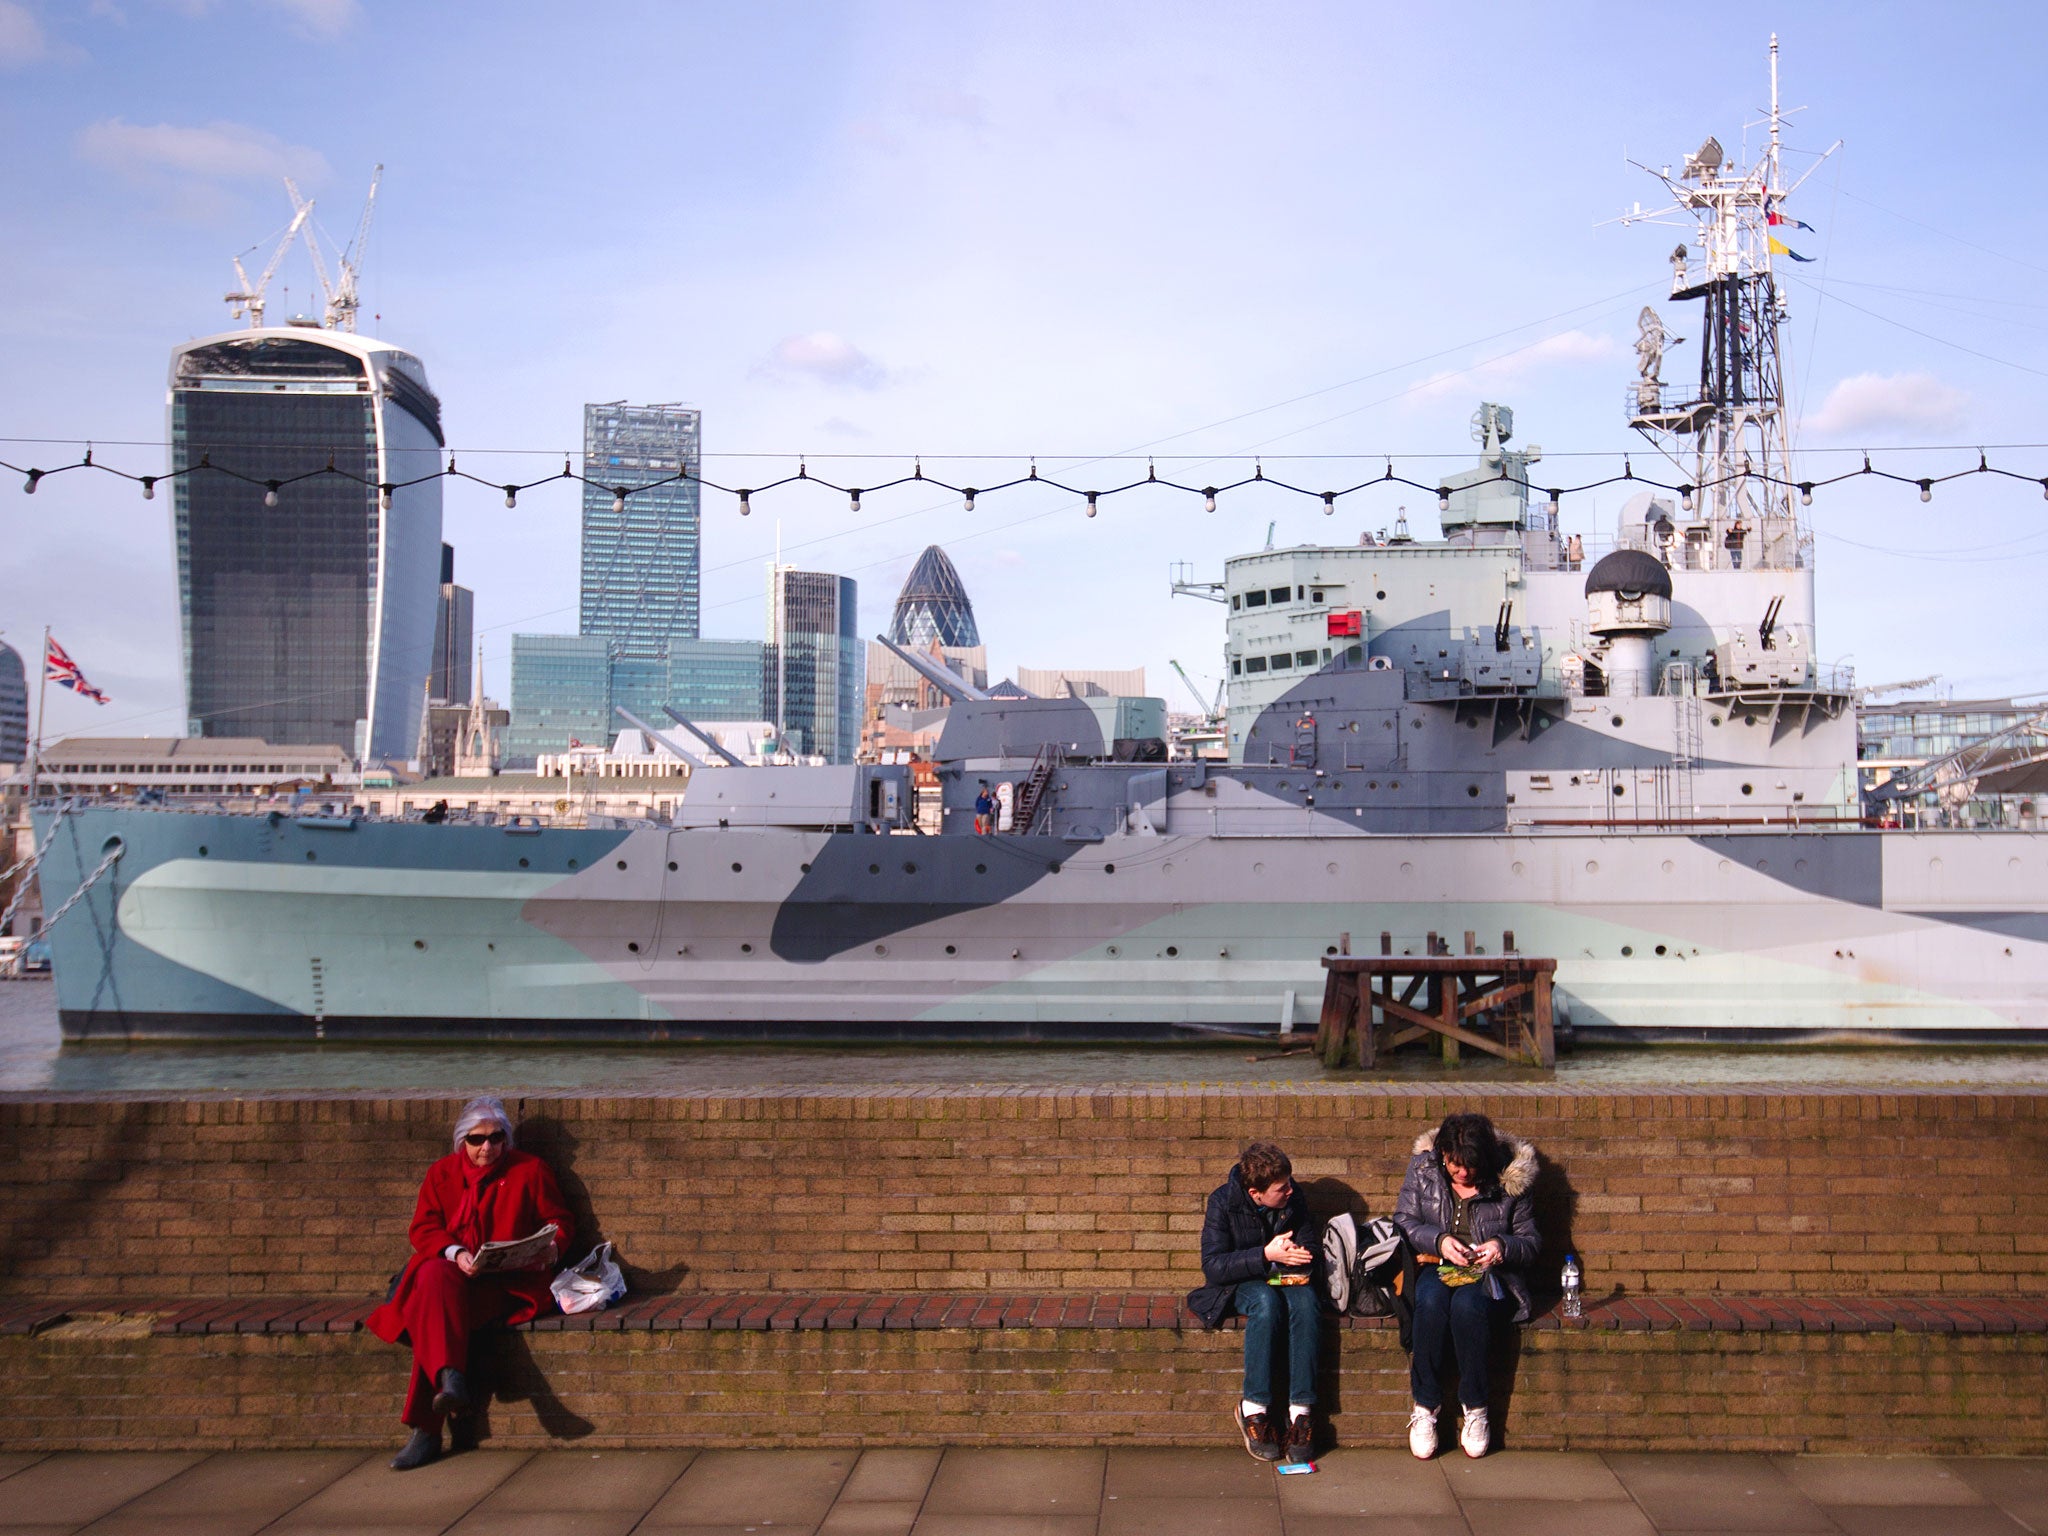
<point x="1285" y="1250"/>
<point x="1454" y="1252"/>
<point x="466" y="1262"/>
<point x="1489" y="1253"/>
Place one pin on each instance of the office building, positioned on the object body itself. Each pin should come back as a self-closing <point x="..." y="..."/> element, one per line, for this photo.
<point x="14" y="706"/>
<point x="561" y="693"/>
<point x="817" y="665"/>
<point x="215" y="768"/>
<point x="454" y="631"/>
<point x="717" y="679"/>
<point x="640" y="550"/>
<point x="1082" y="682"/>
<point x="933" y="606"/>
<point x="306" y="605"/>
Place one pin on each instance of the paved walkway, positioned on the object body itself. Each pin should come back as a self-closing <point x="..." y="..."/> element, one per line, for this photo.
<point x="1124" y="1492"/>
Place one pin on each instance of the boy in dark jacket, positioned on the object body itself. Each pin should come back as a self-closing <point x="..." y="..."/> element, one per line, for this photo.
<point x="1258" y="1247"/>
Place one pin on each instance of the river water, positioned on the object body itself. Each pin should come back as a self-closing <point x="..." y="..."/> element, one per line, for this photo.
<point x="34" y="1061"/>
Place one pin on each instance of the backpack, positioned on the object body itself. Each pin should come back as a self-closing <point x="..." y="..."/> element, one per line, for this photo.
<point x="1361" y="1270"/>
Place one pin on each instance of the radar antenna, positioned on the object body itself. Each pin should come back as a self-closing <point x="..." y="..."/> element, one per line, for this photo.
<point x="1727" y="434"/>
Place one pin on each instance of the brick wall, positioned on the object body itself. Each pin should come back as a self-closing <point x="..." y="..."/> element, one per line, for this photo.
<point x="85" y="1387"/>
<point x="1683" y="1194"/>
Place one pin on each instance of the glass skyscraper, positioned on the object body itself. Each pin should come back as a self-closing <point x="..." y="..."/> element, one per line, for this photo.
<point x="933" y="606"/>
<point x="311" y="620"/>
<point x="717" y="679"/>
<point x="454" y="631"/>
<point x="640" y="564"/>
<point x="561" y="692"/>
<point x="817" y="666"/>
<point x="14" y="705"/>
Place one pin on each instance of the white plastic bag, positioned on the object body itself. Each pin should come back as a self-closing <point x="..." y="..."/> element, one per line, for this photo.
<point x="592" y="1285"/>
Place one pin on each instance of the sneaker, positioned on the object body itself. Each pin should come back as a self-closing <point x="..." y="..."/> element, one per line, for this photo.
<point x="1422" y="1432"/>
<point x="1259" y="1438"/>
<point x="1300" y="1441"/>
<point x="1473" y="1436"/>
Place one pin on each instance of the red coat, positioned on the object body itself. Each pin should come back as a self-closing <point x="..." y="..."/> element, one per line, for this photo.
<point x="519" y="1199"/>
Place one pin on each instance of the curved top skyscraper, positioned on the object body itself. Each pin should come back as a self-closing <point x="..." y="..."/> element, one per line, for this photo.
<point x="308" y="601"/>
<point x="934" y="606"/>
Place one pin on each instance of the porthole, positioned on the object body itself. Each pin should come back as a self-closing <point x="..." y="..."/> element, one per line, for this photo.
<point x="419" y="943"/>
<point x="671" y="865"/>
<point x="1660" y="949"/>
<point x="1381" y="596"/>
<point x="735" y="868"/>
<point x="909" y="869"/>
<point x="1621" y="789"/>
<point x="1053" y="868"/>
<point x="1627" y="950"/>
<point x="1472" y="790"/>
<point x="202" y="850"/>
<point x="746" y="949"/>
<point x="881" y="949"/>
<point x="1372" y="784"/>
<point x="1669" y="866"/>
<point x="951" y="950"/>
<point x="802" y="868"/>
<point x="1258" y="869"/>
<point x="1172" y="950"/>
<point x="311" y="855"/>
<point x="979" y="869"/>
<point x="874" y="869"/>
<point x="1713" y="719"/>
<point x="622" y="863"/>
<point x="1329" y="869"/>
<point x="1749" y="789"/>
<point x="1329" y="949"/>
<point x="1109" y="869"/>
<point x="1592" y="866"/>
<point x="633" y="946"/>
<point x="1394" y="784"/>
<point x="1614" y="720"/>
<point x="572" y="863"/>
<point x="1112" y="949"/>
<point x="523" y="864"/>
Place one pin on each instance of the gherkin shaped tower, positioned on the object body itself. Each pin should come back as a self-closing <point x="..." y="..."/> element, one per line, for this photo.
<point x="934" y="606"/>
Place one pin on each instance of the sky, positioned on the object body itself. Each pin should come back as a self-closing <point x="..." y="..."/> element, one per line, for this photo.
<point x="1081" y="232"/>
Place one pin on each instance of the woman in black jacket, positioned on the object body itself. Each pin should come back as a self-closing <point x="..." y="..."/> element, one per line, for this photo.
<point x="1465" y="1210"/>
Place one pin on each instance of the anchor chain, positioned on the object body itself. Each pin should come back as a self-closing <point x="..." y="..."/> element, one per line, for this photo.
<point x="113" y="857"/>
<point x="27" y="868"/>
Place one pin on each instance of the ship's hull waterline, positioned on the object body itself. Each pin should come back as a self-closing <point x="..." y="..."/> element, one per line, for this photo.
<point x="214" y="926"/>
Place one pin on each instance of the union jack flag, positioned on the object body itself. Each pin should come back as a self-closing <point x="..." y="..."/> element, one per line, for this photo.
<point x="60" y="669"/>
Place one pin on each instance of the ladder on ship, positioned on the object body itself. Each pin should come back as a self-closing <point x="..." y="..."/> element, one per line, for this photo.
<point x="1679" y="680"/>
<point x="1032" y="792"/>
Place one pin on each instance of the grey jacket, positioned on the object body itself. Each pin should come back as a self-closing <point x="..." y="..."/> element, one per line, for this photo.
<point x="1503" y="1210"/>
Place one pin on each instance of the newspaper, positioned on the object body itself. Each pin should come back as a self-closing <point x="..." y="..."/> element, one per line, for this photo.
<point x="519" y="1253"/>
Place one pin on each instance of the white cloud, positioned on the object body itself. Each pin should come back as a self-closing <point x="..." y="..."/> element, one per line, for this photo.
<point x="21" y="36"/>
<point x="826" y="358"/>
<point x="215" y="152"/>
<point x="323" y="19"/>
<point x="1893" y="402"/>
<point x="1514" y="368"/>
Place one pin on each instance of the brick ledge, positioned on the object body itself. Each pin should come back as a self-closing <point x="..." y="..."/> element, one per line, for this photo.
<point x="1122" y="1310"/>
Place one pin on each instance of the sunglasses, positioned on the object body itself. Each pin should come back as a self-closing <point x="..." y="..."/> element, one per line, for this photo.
<point x="484" y="1138"/>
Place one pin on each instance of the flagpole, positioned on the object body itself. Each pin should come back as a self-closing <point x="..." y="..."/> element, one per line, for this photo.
<point x="35" y="760"/>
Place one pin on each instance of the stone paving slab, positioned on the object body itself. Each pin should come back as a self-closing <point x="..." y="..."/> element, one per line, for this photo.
<point x="1123" y="1491"/>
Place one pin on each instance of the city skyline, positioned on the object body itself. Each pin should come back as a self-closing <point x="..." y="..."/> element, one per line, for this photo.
<point x="1167" y="231"/>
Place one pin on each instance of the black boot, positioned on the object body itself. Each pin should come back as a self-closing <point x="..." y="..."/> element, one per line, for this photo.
<point x="464" y="1431"/>
<point x="453" y="1395"/>
<point x="421" y="1447"/>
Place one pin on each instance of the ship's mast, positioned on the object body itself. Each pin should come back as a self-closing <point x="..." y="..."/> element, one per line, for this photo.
<point x="1728" y="433"/>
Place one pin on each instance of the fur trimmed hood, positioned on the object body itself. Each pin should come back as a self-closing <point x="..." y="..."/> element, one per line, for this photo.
<point x="1516" y="1176"/>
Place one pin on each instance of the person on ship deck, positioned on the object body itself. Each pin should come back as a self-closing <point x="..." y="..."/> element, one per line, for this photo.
<point x="483" y="1191"/>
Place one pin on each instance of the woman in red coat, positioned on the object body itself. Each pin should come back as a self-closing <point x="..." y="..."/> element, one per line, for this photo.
<point x="482" y="1192"/>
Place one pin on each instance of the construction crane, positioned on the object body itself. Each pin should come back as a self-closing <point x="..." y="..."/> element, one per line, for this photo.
<point x="248" y="297"/>
<point x="1210" y="712"/>
<point x="1911" y="682"/>
<point x="340" y="292"/>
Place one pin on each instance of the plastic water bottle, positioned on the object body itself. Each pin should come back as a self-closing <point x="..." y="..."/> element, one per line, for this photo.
<point x="1574" y="1302"/>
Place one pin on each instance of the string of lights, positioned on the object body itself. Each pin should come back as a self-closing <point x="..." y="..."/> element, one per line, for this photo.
<point x="274" y="487"/>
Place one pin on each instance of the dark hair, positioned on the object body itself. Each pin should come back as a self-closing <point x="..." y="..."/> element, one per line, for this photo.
<point x="1470" y="1139"/>
<point x="1263" y="1165"/>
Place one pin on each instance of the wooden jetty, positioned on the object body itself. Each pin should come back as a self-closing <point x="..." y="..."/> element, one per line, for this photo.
<point x="1377" y="1003"/>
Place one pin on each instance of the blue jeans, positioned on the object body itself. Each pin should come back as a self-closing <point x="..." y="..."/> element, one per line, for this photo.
<point x="1264" y="1306"/>
<point x="1452" y="1320"/>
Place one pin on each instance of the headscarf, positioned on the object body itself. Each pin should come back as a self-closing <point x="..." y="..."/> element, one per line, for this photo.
<point x="467" y="1227"/>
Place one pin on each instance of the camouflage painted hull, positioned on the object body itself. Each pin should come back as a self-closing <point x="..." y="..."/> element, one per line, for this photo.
<point x="246" y="926"/>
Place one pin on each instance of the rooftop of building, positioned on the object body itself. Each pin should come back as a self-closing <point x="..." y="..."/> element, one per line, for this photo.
<point x="198" y="749"/>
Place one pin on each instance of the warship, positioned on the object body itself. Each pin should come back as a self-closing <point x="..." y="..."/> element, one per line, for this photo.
<point x="1629" y="757"/>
